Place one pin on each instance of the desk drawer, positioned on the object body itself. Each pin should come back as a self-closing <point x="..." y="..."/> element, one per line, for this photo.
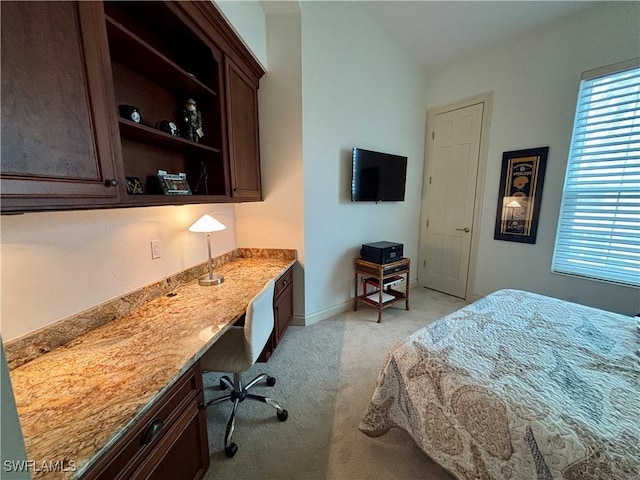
<point x="389" y="269"/>
<point x="396" y="269"/>
<point x="283" y="282"/>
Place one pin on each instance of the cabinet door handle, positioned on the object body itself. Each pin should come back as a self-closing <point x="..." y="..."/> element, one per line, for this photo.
<point x="151" y="431"/>
<point x="465" y="229"/>
<point x="111" y="182"/>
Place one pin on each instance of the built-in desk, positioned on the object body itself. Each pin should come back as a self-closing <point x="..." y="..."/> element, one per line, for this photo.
<point x="79" y="399"/>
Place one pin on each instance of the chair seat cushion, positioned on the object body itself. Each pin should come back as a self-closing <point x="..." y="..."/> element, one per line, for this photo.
<point x="228" y="354"/>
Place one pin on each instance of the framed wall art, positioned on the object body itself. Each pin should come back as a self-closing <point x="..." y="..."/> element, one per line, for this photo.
<point x="520" y="194"/>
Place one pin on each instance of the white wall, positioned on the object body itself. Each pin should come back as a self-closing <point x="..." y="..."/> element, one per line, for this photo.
<point x="57" y="264"/>
<point x="333" y="82"/>
<point x="357" y="90"/>
<point x="278" y="221"/>
<point x="535" y="79"/>
<point x="248" y="20"/>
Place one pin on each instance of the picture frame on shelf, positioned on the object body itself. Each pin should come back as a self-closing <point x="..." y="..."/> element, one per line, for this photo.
<point x="134" y="186"/>
<point x="520" y="194"/>
<point x="174" y="183"/>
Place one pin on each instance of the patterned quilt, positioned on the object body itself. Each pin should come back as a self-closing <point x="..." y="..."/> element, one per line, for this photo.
<point x="518" y="386"/>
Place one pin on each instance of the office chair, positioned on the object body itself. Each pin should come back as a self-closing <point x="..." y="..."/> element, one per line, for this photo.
<point x="235" y="352"/>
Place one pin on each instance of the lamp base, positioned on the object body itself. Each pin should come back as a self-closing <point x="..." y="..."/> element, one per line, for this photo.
<point x="214" y="280"/>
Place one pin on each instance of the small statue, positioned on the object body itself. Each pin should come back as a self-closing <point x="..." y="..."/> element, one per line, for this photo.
<point x="192" y="119"/>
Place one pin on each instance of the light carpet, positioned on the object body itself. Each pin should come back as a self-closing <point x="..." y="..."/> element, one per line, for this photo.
<point x="325" y="374"/>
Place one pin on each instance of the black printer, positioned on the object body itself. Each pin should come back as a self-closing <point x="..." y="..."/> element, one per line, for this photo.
<point x="381" y="252"/>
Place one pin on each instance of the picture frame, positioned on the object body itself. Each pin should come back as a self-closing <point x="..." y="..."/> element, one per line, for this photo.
<point x="174" y="183"/>
<point x="520" y="194"/>
<point x="134" y="186"/>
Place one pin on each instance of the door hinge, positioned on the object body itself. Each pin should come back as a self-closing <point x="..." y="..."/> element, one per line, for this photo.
<point x="433" y="135"/>
<point x="424" y="263"/>
<point x="427" y="222"/>
<point x="429" y="180"/>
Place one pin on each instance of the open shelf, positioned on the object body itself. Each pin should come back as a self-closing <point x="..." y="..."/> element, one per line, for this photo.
<point x="145" y="134"/>
<point x="135" y="53"/>
<point x="387" y="282"/>
<point x="156" y="66"/>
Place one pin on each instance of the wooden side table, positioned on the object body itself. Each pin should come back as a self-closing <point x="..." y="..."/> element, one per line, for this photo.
<point x="383" y="277"/>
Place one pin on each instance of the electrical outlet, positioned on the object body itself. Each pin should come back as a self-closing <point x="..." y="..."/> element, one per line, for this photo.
<point x="155" y="249"/>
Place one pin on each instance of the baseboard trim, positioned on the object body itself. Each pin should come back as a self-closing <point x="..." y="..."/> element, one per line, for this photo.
<point x="347" y="306"/>
<point x="310" y="319"/>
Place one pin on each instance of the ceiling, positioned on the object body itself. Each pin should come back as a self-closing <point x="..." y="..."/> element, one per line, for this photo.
<point x="436" y="32"/>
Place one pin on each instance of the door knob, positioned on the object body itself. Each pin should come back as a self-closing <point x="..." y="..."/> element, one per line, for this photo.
<point x="465" y="229"/>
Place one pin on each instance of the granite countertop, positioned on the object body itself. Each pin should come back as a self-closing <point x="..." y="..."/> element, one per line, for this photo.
<point x="78" y="399"/>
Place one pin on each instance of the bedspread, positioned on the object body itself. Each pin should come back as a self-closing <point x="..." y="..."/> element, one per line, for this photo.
<point x="518" y="386"/>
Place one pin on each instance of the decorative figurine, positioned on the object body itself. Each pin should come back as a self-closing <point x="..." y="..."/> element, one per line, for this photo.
<point x="167" y="126"/>
<point x="192" y="119"/>
<point x="130" y="113"/>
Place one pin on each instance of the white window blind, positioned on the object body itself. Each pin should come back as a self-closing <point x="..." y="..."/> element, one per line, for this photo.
<point x="599" y="226"/>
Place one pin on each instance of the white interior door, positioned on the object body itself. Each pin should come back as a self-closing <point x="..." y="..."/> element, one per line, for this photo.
<point x="453" y="146"/>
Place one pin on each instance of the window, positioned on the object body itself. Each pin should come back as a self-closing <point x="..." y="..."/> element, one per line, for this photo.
<point x="599" y="226"/>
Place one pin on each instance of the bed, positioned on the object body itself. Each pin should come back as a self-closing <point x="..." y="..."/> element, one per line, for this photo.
<point x="517" y="386"/>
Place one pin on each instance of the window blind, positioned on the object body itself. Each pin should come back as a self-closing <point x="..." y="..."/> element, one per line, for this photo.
<point x="598" y="232"/>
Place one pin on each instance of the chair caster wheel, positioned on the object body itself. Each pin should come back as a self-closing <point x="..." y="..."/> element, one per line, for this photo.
<point x="231" y="450"/>
<point x="271" y="381"/>
<point x="223" y="386"/>
<point x="283" y="415"/>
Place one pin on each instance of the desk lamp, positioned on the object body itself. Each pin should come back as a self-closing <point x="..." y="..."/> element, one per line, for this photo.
<point x="207" y="224"/>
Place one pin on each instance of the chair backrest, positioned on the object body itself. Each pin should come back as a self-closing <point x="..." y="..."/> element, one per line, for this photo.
<point x="259" y="321"/>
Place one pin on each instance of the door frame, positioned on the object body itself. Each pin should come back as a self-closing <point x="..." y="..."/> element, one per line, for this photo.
<point x="487" y="100"/>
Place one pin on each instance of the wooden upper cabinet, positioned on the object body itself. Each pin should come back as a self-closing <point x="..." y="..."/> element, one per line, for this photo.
<point x="68" y="67"/>
<point x="56" y="147"/>
<point x="242" y="126"/>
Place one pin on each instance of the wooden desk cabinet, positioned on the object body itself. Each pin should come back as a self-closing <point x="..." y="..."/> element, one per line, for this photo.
<point x="167" y="443"/>
<point x="382" y="277"/>
<point x="282" y="310"/>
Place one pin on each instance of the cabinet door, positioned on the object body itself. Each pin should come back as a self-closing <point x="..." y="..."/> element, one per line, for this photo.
<point x="186" y="450"/>
<point x="283" y="312"/>
<point x="56" y="147"/>
<point x="170" y="437"/>
<point x="242" y="130"/>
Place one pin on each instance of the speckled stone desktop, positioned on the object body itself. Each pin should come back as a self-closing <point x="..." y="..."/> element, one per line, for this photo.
<point x="77" y="399"/>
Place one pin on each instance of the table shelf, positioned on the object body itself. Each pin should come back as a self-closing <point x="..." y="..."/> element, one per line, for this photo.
<point x="388" y="275"/>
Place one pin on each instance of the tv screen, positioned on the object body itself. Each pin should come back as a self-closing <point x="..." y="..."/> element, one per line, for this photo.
<point x="377" y="177"/>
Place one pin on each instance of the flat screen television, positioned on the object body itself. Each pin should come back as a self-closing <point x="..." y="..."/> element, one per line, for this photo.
<point x="377" y="177"/>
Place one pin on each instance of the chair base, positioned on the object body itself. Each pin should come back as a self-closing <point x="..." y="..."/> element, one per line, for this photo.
<point x="240" y="393"/>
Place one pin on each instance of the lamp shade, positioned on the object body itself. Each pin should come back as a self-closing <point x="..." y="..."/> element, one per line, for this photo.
<point x="514" y="204"/>
<point x="206" y="224"/>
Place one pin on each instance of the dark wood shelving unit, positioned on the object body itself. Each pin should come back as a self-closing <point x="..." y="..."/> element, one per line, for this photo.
<point x="156" y="67"/>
